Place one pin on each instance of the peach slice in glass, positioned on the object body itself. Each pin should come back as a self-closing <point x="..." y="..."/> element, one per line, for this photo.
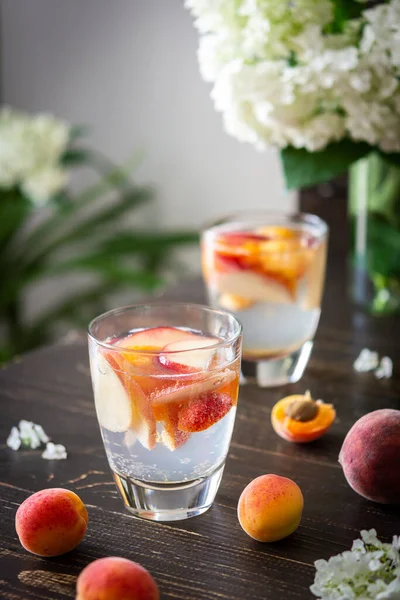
<point x="188" y="355"/>
<point x="140" y="410"/>
<point x="257" y="287"/>
<point x="113" y="404"/>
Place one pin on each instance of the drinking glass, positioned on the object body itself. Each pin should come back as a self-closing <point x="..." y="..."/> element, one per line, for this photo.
<point x="268" y="269"/>
<point x="165" y="381"/>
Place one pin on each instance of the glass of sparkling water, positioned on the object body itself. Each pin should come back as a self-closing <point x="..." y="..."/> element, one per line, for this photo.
<point x="268" y="269"/>
<point x="165" y="381"/>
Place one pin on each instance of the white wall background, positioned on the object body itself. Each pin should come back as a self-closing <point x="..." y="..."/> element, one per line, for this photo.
<point x="128" y="69"/>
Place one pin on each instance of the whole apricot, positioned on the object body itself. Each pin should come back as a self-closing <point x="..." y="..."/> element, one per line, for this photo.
<point x="115" y="578"/>
<point x="370" y="456"/>
<point x="51" y="522"/>
<point x="270" y="508"/>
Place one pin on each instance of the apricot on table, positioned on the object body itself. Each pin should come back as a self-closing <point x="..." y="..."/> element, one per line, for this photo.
<point x="370" y="456"/>
<point x="301" y="419"/>
<point x="270" y="508"/>
<point x="114" y="578"/>
<point x="51" y="522"/>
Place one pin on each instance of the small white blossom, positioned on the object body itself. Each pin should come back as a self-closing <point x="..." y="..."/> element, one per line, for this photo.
<point x="385" y="369"/>
<point x="31" y="149"/>
<point x="366" y="361"/>
<point x="14" y="440"/>
<point x="43" y="437"/>
<point x="370" y="571"/>
<point x="28" y="434"/>
<point x="44" y="184"/>
<point x="54" y="452"/>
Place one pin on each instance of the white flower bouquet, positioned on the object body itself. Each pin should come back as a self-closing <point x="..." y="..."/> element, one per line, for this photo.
<point x="47" y="232"/>
<point x="319" y="79"/>
<point x="31" y="154"/>
<point x="369" y="571"/>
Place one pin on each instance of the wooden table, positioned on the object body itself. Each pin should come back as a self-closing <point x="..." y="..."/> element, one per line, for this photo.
<point x="208" y="557"/>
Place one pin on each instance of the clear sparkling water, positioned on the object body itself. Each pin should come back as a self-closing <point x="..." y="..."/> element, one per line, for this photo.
<point x="201" y="454"/>
<point x="277" y="327"/>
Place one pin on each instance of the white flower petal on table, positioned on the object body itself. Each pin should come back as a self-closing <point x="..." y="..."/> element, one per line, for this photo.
<point x="55" y="452"/>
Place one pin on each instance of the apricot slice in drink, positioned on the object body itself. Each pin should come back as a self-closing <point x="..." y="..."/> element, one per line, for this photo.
<point x="234" y="302"/>
<point x="172" y="437"/>
<point x="179" y="395"/>
<point x="168" y="404"/>
<point x="204" y="411"/>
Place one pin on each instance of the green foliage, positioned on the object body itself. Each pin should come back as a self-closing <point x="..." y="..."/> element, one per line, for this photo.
<point x="303" y="168"/>
<point x="85" y="234"/>
<point x="343" y="10"/>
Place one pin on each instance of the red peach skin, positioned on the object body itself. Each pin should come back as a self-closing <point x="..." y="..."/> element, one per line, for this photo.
<point x="114" y="578"/>
<point x="370" y="456"/>
<point x="51" y="522"/>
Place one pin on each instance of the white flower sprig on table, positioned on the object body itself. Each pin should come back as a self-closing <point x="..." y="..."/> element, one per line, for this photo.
<point x="31" y="149"/>
<point x="369" y="361"/>
<point x="31" y="436"/>
<point x="370" y="571"/>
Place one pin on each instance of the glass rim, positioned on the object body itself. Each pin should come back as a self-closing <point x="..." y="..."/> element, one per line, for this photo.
<point x="258" y="215"/>
<point x="116" y="311"/>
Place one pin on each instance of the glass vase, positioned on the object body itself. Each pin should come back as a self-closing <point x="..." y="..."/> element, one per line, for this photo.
<point x="374" y="210"/>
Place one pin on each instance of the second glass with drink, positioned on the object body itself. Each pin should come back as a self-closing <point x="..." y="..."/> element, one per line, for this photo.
<point x="269" y="269"/>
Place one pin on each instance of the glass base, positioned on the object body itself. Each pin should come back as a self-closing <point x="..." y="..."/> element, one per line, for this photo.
<point x="278" y="371"/>
<point x="169" y="502"/>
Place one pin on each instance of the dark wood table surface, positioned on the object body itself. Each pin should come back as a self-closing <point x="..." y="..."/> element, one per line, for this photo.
<point x="208" y="557"/>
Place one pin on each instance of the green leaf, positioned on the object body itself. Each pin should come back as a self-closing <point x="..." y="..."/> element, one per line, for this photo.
<point x="392" y="158"/>
<point x="343" y="11"/>
<point x="15" y="209"/>
<point x="117" y="178"/>
<point x="75" y="157"/>
<point x="104" y="217"/>
<point x="303" y="168"/>
<point x="77" y="131"/>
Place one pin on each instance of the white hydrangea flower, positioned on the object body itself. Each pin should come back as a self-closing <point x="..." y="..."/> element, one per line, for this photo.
<point x="280" y="79"/>
<point x="43" y="184"/>
<point x="30" y="153"/>
<point x="370" y="571"/>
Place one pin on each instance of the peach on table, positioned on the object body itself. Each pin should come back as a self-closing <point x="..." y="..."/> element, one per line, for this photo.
<point x="115" y="578"/>
<point x="51" y="522"/>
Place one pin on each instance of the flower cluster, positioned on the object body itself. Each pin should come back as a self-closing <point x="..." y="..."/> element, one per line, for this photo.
<point x="30" y="154"/>
<point x="371" y="570"/>
<point x="283" y="76"/>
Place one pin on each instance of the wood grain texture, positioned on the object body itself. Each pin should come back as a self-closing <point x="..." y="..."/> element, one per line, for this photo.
<point x="208" y="557"/>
